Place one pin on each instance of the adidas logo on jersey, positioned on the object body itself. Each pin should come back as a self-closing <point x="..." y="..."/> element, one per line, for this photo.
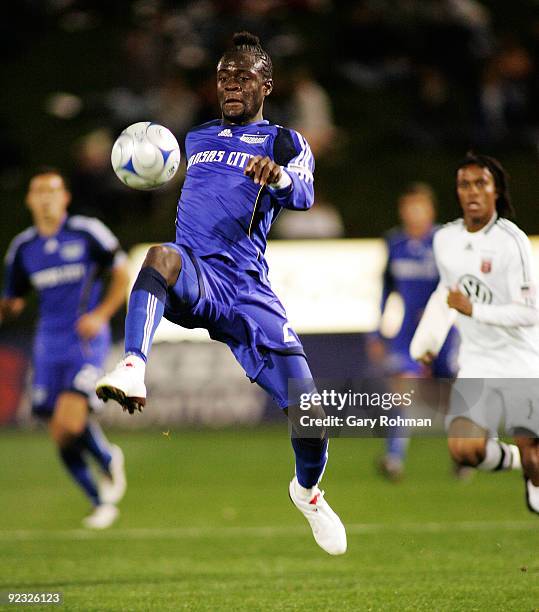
<point x="227" y="133"/>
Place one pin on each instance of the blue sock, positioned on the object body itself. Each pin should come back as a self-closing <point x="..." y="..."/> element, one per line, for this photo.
<point x="78" y="468"/>
<point x="145" y="310"/>
<point x="94" y="441"/>
<point x="397" y="440"/>
<point x="311" y="458"/>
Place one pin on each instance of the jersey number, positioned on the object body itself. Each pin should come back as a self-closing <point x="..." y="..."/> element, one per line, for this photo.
<point x="288" y="333"/>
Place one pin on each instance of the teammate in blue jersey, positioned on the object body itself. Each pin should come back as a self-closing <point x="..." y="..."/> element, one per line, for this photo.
<point x="241" y="172"/>
<point x="411" y="273"/>
<point x="63" y="259"/>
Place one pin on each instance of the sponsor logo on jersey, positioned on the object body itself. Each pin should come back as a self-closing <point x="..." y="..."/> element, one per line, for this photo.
<point x="254" y="138"/>
<point x="475" y="289"/>
<point x="59" y="275"/>
<point x="486" y="266"/>
<point x="226" y="133"/>
<point x="72" y="250"/>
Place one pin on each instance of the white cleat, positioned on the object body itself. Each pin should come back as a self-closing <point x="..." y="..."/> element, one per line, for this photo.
<point x="516" y="463"/>
<point x="327" y="527"/>
<point x="102" y="517"/>
<point x="125" y="384"/>
<point x="111" y="490"/>
<point x="532" y="496"/>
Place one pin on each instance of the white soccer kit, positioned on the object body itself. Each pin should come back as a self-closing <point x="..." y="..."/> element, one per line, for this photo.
<point x="494" y="268"/>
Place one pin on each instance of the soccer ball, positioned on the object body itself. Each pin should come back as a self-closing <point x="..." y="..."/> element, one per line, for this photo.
<point x="145" y="155"/>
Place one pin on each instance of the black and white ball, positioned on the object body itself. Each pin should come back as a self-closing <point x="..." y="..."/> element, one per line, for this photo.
<point x="145" y="155"/>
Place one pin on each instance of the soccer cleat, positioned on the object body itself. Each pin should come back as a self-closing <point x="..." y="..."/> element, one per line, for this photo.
<point x="125" y="384"/>
<point x="516" y="463"/>
<point x="102" y="517"/>
<point x="532" y="496"/>
<point x="391" y="468"/>
<point x="328" y="530"/>
<point x="111" y="490"/>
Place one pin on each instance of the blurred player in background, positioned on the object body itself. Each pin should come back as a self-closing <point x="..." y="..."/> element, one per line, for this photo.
<point x="412" y="274"/>
<point x="62" y="258"/>
<point x="241" y="172"/>
<point x="487" y="277"/>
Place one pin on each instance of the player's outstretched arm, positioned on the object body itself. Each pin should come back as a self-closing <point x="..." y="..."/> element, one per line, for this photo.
<point x="91" y="323"/>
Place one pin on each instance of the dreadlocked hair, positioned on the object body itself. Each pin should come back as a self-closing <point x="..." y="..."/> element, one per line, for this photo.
<point x="249" y="43"/>
<point x="504" y="207"/>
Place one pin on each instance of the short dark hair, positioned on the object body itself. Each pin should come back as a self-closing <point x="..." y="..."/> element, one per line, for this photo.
<point x="249" y="43"/>
<point x="504" y="207"/>
<point x="41" y="170"/>
<point x="419" y="188"/>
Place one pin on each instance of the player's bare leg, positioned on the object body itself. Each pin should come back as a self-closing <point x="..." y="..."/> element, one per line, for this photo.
<point x="470" y="445"/>
<point x="529" y="452"/>
<point x="125" y="384"/>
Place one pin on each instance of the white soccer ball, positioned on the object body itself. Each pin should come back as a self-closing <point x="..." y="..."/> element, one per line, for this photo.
<point x="145" y="155"/>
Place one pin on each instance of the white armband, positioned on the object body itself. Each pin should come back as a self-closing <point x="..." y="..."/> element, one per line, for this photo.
<point x="283" y="182"/>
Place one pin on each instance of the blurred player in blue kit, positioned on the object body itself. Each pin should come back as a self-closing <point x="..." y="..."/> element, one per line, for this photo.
<point x="411" y="273"/>
<point x="241" y="172"/>
<point x="63" y="259"/>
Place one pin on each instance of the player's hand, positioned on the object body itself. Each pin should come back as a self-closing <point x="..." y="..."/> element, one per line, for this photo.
<point x="90" y="324"/>
<point x="427" y="358"/>
<point x="263" y="170"/>
<point x="11" y="308"/>
<point x="460" y="302"/>
<point x="376" y="350"/>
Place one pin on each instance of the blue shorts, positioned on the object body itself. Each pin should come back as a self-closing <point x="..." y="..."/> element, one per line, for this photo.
<point x="239" y="309"/>
<point x="76" y="367"/>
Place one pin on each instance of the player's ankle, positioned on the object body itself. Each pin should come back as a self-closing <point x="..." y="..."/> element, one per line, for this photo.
<point x="136" y="359"/>
<point x="301" y="490"/>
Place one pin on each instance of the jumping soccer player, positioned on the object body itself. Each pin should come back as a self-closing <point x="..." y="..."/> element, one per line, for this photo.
<point x="411" y="273"/>
<point x="487" y="277"/>
<point x="241" y="172"/>
<point x="62" y="258"/>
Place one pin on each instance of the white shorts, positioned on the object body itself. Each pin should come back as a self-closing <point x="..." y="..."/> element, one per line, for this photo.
<point x="491" y="402"/>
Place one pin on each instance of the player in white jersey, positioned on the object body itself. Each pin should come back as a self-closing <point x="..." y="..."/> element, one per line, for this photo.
<point x="487" y="286"/>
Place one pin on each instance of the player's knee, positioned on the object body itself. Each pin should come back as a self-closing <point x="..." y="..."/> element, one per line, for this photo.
<point x="166" y="261"/>
<point x="63" y="434"/>
<point x="307" y="421"/>
<point x="467" y="451"/>
<point x="529" y="454"/>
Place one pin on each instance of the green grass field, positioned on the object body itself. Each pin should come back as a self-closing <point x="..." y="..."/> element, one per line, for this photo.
<point x="207" y="525"/>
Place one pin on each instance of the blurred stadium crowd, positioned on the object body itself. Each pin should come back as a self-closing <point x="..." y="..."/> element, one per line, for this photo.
<point x="356" y="78"/>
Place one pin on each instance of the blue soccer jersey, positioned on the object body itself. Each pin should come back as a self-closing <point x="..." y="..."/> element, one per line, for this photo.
<point x="223" y="212"/>
<point x="65" y="270"/>
<point x="412" y="273"/>
<point x="221" y="230"/>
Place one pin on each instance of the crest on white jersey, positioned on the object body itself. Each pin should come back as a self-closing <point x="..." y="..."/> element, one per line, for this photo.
<point x="227" y="133"/>
<point x="486" y="266"/>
